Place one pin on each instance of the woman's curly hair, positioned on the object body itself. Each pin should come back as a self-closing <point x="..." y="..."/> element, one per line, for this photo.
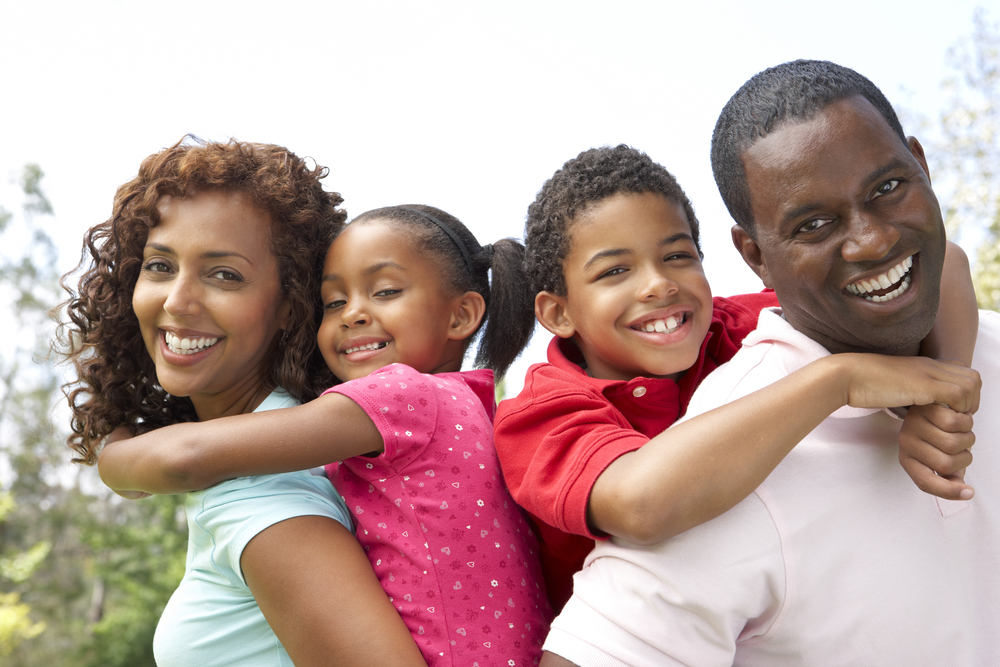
<point x="590" y="177"/>
<point x="116" y="379"/>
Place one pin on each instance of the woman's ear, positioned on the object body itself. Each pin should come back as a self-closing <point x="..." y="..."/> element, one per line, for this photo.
<point x="551" y="313"/>
<point x="465" y="318"/>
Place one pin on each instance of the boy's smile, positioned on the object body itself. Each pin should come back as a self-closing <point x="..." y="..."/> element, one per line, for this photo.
<point x="637" y="301"/>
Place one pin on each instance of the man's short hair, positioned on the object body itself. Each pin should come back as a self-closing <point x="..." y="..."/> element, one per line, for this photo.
<point x="793" y="92"/>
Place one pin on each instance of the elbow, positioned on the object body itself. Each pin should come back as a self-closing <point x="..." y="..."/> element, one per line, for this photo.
<point x="646" y="522"/>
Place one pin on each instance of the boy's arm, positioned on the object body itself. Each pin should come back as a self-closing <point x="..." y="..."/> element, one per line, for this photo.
<point x="700" y="468"/>
<point x="196" y="455"/>
<point x="953" y="336"/>
<point x="926" y="449"/>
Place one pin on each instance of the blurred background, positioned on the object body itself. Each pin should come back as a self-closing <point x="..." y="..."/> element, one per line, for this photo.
<point x="469" y="107"/>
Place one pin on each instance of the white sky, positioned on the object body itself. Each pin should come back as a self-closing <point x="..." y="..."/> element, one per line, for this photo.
<point x="465" y="106"/>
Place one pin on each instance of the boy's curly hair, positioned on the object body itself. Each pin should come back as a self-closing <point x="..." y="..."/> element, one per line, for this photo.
<point x="590" y="177"/>
<point x="116" y="379"/>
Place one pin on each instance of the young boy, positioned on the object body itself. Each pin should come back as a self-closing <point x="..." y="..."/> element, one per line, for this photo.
<point x="613" y="253"/>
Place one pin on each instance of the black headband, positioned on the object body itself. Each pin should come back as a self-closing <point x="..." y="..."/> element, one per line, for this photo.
<point x="447" y="230"/>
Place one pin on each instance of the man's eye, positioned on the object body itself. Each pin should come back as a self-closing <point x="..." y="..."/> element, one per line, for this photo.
<point x="813" y="225"/>
<point x="886" y="187"/>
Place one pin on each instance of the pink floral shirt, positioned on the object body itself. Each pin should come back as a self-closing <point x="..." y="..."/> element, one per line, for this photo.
<point x="450" y="547"/>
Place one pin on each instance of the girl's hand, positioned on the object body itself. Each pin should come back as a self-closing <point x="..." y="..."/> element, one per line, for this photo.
<point x="934" y="445"/>
<point x="119" y="434"/>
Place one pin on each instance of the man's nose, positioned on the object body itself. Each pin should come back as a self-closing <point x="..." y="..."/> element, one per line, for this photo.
<point x="869" y="239"/>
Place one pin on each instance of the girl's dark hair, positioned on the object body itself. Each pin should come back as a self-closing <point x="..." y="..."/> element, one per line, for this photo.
<point x="116" y="379"/>
<point x="510" y="319"/>
<point x="589" y="178"/>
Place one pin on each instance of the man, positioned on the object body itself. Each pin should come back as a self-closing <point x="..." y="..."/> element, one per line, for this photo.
<point x="837" y="558"/>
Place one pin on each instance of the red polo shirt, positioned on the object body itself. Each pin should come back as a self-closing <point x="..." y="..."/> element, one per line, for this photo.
<point x="565" y="428"/>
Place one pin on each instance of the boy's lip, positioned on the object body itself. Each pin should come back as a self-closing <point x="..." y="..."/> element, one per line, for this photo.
<point x="681" y="313"/>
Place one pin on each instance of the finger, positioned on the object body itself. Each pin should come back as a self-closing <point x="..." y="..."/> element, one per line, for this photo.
<point x="944" y="418"/>
<point x="947" y="487"/>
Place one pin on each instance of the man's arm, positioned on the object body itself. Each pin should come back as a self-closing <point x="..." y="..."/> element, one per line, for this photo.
<point x="194" y="456"/>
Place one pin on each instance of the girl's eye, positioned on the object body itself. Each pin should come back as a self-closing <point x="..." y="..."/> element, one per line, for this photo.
<point x="886" y="187"/>
<point x="336" y="303"/>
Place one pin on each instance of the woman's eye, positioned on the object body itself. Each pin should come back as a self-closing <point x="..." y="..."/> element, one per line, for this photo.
<point x="223" y="274"/>
<point x="155" y="266"/>
<point x="886" y="187"/>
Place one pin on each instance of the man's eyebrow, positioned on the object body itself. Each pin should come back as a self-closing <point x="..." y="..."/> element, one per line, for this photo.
<point x="212" y="254"/>
<point x="370" y="271"/>
<point x="875" y="175"/>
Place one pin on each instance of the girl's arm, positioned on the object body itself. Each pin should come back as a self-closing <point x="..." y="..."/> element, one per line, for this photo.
<point x="318" y="592"/>
<point x="928" y="456"/>
<point x="196" y="455"/>
<point x="700" y="468"/>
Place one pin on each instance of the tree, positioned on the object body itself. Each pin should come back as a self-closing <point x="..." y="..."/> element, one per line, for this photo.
<point x="102" y="568"/>
<point x="966" y="156"/>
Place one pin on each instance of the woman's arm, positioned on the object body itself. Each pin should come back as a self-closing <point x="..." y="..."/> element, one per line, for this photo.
<point x="194" y="456"/>
<point x="318" y="592"/>
<point x="700" y="468"/>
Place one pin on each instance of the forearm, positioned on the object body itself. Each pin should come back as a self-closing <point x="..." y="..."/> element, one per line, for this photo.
<point x="702" y="467"/>
<point x="957" y="325"/>
<point x="194" y="456"/>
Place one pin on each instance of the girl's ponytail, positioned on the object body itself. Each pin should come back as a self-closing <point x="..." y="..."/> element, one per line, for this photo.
<point x="510" y="310"/>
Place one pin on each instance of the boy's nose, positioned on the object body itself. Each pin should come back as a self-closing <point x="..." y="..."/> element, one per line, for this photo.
<point x="658" y="285"/>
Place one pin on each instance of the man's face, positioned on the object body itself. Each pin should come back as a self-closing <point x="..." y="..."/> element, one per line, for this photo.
<point x="849" y="232"/>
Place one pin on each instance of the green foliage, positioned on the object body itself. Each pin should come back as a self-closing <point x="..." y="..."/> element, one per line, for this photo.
<point x="966" y="157"/>
<point x="87" y="574"/>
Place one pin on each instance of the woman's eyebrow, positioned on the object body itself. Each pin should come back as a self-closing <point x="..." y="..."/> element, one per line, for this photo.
<point x="212" y="254"/>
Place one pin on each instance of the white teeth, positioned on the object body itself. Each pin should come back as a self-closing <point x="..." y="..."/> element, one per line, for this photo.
<point x="669" y="325"/>
<point x="897" y="274"/>
<point x="179" y="345"/>
<point x="369" y="346"/>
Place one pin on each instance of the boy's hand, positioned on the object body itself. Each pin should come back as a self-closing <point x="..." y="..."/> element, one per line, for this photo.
<point x="878" y="381"/>
<point x="119" y="434"/>
<point x="934" y="445"/>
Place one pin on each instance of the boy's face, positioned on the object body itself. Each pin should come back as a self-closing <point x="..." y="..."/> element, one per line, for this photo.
<point x="637" y="301"/>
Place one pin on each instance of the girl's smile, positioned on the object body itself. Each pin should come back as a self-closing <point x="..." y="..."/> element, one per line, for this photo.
<point x="385" y="302"/>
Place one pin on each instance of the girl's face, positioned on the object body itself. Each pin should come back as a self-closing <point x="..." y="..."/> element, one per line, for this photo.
<point x="208" y="299"/>
<point x="384" y="302"/>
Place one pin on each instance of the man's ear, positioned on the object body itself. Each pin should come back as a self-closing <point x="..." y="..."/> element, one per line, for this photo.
<point x="918" y="152"/>
<point x="550" y="311"/>
<point x="465" y="318"/>
<point x="751" y="254"/>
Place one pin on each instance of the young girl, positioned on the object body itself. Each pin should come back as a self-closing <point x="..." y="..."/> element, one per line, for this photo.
<point x="405" y="290"/>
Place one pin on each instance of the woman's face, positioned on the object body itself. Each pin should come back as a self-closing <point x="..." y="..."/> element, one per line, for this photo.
<point x="208" y="300"/>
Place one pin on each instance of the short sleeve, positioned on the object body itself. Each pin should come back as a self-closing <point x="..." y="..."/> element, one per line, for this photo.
<point x="697" y="595"/>
<point x="235" y="512"/>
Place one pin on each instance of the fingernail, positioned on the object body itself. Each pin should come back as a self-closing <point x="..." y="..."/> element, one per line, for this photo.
<point x="966" y="494"/>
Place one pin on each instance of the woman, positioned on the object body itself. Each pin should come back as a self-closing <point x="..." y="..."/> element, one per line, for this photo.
<point x="201" y="300"/>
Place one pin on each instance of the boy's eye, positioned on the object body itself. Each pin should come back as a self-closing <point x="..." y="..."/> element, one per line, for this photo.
<point x="387" y="292"/>
<point x="886" y="188"/>
<point x="678" y="255"/>
<point x="612" y="272"/>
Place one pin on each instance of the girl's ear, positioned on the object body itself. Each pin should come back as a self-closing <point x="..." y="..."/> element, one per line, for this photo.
<point x="468" y="313"/>
<point x="551" y="313"/>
